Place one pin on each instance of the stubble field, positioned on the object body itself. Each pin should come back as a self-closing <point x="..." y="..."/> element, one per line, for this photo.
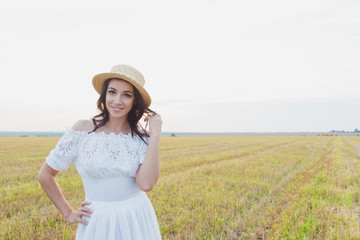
<point x="210" y="188"/>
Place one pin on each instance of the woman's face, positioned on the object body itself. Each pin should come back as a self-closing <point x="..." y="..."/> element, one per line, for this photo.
<point x="120" y="98"/>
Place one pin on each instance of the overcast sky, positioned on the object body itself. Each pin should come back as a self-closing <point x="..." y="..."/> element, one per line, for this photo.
<point x="209" y="65"/>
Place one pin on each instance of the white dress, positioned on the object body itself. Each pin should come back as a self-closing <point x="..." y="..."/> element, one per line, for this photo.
<point x="107" y="164"/>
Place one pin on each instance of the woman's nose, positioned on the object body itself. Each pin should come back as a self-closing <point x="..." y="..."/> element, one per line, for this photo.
<point x="118" y="99"/>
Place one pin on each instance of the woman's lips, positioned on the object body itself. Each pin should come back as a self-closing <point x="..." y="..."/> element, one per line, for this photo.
<point x="116" y="109"/>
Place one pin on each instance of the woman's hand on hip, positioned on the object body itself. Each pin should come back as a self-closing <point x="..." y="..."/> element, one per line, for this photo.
<point x="76" y="216"/>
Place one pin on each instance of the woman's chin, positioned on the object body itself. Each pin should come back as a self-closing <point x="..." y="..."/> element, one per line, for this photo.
<point x="117" y="114"/>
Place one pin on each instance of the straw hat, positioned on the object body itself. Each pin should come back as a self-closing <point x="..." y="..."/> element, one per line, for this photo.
<point x="126" y="73"/>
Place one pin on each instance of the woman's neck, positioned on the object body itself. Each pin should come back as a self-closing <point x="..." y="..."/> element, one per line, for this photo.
<point x="118" y="125"/>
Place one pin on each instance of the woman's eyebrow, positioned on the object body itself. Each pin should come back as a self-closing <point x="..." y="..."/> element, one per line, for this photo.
<point x="112" y="88"/>
<point x="128" y="91"/>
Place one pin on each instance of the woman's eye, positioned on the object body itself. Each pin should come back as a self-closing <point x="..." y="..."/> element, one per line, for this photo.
<point x="111" y="92"/>
<point x="127" y="95"/>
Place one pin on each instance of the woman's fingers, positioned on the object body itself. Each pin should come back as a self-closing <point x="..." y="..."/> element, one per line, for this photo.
<point x="80" y="220"/>
<point x="149" y="115"/>
<point x="83" y="211"/>
<point x="85" y="203"/>
<point x="153" y="120"/>
<point x="86" y="210"/>
<point x="152" y="116"/>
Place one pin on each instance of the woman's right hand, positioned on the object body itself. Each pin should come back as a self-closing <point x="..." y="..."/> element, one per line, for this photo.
<point x="76" y="216"/>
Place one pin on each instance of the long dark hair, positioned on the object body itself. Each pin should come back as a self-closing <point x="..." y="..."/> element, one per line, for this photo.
<point x="133" y="117"/>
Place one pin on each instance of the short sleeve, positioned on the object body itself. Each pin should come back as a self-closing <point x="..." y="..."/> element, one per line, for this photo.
<point x="65" y="151"/>
<point x="142" y="150"/>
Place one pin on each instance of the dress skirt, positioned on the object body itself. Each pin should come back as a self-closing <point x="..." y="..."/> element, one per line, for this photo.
<point x="132" y="218"/>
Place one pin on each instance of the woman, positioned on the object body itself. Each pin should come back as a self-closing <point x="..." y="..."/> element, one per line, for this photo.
<point x="116" y="158"/>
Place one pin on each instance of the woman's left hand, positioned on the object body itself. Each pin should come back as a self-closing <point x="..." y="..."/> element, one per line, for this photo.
<point x="155" y="122"/>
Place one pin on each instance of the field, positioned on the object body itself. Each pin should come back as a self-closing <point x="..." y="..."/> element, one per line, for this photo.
<point x="299" y="187"/>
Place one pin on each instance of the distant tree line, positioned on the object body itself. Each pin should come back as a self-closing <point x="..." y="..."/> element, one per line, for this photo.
<point x="342" y="131"/>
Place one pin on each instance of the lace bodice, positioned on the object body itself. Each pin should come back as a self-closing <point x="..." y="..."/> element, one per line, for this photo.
<point x="99" y="155"/>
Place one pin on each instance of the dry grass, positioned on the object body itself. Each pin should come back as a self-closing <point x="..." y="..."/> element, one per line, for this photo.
<point x="210" y="188"/>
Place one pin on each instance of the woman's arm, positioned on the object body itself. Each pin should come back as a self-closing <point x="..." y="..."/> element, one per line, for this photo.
<point x="149" y="171"/>
<point x="52" y="189"/>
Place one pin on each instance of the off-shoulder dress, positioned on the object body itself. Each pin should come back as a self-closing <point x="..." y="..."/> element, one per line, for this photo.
<point x="107" y="164"/>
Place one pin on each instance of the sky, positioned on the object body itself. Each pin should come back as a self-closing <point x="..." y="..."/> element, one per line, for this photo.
<point x="209" y="65"/>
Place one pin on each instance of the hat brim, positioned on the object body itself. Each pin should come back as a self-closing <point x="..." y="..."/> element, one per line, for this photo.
<point x="99" y="79"/>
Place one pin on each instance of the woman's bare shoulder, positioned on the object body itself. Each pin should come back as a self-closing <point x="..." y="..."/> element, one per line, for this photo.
<point x="83" y="125"/>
